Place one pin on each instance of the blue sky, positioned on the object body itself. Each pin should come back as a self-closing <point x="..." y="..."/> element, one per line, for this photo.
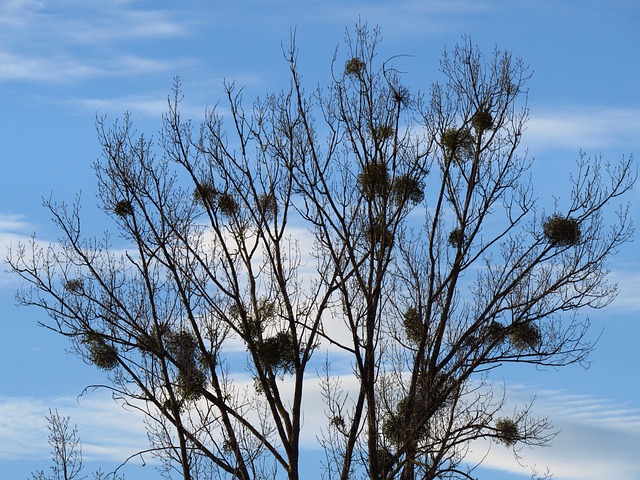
<point x="64" y="61"/>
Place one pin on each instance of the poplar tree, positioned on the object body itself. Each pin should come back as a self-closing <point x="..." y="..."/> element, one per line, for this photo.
<point x="364" y="224"/>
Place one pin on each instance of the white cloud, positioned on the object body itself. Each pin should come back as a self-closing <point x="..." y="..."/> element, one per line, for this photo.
<point x="13" y="223"/>
<point x="73" y="41"/>
<point x="136" y="105"/>
<point x="598" y="437"/>
<point x="82" y="22"/>
<point x="14" y="229"/>
<point x="106" y="430"/>
<point x="628" y="299"/>
<point x="62" y="68"/>
<point x="152" y="106"/>
<point x="589" y="128"/>
<point x="119" y="25"/>
<point x="45" y="69"/>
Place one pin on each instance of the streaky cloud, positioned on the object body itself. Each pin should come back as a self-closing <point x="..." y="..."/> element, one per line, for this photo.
<point x="586" y="127"/>
<point x="62" y="69"/>
<point x="591" y="427"/>
<point x="107" y="431"/>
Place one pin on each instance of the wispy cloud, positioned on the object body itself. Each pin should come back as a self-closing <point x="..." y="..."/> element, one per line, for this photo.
<point x="628" y="299"/>
<point x="107" y="431"/>
<point x="18" y="13"/>
<point x="74" y="41"/>
<point x="10" y="222"/>
<point x="14" y="229"/>
<point x="44" y="69"/>
<point x="63" y="68"/>
<point x="121" y="25"/>
<point x="82" y="22"/>
<point x="592" y="128"/>
<point x="150" y="105"/>
<point x="591" y="428"/>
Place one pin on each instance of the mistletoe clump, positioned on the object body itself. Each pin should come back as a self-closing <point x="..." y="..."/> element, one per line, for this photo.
<point x="205" y="193"/>
<point x="414" y="417"/>
<point x="457" y="143"/>
<point x="74" y="285"/>
<point x="561" y="231"/>
<point x="482" y="120"/>
<point x="227" y="204"/>
<point x="102" y="354"/>
<point x="382" y="132"/>
<point x="374" y="180"/>
<point x="278" y="353"/>
<point x="354" y="67"/>
<point x="413" y="326"/>
<point x="407" y="189"/>
<point x="123" y="208"/>
<point x="525" y="336"/>
<point x="190" y="380"/>
<point x="267" y="206"/>
<point x="457" y="238"/>
<point x="495" y="332"/>
<point x="507" y="432"/>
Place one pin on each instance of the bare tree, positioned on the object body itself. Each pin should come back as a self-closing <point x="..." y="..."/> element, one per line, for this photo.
<point x="434" y="266"/>
<point x="66" y="452"/>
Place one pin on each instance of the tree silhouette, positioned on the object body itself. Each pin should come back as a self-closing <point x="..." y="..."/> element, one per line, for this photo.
<point x="66" y="452"/>
<point x="394" y="232"/>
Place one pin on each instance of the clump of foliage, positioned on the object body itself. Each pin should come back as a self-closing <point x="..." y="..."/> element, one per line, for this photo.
<point x="73" y="285"/>
<point x="123" y="208"/>
<point x="354" y="67"/>
<point x="102" y="354"/>
<point x="507" y="432"/>
<point x="374" y="180"/>
<point x="395" y="426"/>
<point x="429" y="398"/>
<point x="227" y="204"/>
<point x="482" y="120"/>
<point x="153" y="340"/>
<point x="457" y="238"/>
<point x="278" y="353"/>
<point x="190" y="381"/>
<point x="457" y="143"/>
<point x="561" y="231"/>
<point x="205" y="193"/>
<point x="495" y="332"/>
<point x="267" y="206"/>
<point x="338" y="422"/>
<point x="525" y="336"/>
<point x="407" y="189"/>
<point x="413" y="326"/>
<point x="182" y="346"/>
<point x="382" y="132"/>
